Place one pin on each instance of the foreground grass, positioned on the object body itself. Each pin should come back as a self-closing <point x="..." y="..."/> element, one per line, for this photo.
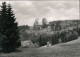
<point x="70" y="49"/>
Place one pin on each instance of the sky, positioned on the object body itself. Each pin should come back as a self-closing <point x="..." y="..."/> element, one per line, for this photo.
<point x="26" y="12"/>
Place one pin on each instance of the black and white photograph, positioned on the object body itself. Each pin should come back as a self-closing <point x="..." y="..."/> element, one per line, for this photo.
<point x="39" y="28"/>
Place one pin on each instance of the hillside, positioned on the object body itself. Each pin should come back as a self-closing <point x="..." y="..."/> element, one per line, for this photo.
<point x="69" y="49"/>
<point x="65" y="23"/>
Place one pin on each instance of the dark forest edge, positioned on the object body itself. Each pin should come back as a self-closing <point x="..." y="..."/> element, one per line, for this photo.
<point x="9" y="33"/>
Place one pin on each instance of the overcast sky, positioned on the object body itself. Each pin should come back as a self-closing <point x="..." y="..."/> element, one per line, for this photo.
<point x="27" y="11"/>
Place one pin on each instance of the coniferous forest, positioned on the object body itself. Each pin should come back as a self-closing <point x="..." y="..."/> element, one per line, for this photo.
<point x="10" y="39"/>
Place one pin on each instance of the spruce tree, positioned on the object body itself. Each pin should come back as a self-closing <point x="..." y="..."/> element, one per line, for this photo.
<point x="44" y="23"/>
<point x="9" y="31"/>
<point x="3" y="18"/>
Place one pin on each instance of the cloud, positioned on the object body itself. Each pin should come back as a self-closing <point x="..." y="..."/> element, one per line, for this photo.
<point x="27" y="11"/>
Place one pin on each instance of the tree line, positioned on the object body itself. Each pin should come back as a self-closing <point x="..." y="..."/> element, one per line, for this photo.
<point x="56" y="37"/>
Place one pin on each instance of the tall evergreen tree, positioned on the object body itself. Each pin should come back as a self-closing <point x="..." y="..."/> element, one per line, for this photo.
<point x="9" y="31"/>
<point x="3" y="18"/>
<point x="44" y="23"/>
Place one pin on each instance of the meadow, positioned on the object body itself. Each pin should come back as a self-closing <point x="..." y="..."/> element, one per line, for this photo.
<point x="68" y="49"/>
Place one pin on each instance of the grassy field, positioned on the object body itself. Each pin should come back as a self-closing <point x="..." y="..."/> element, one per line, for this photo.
<point x="69" y="49"/>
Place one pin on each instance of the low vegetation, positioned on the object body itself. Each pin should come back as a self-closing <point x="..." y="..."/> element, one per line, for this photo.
<point x="69" y="49"/>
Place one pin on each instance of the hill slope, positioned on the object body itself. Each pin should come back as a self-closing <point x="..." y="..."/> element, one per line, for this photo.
<point x="69" y="49"/>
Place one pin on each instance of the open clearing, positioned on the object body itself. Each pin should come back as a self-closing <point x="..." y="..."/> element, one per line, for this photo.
<point x="69" y="49"/>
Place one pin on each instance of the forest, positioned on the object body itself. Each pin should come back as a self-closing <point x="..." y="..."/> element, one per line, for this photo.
<point x="64" y="31"/>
